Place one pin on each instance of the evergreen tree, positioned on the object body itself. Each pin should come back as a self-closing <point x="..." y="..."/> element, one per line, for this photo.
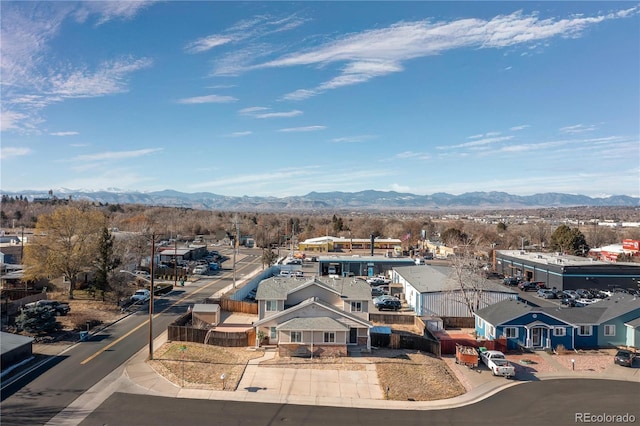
<point x="38" y="320"/>
<point x="569" y="240"/>
<point x="106" y="261"/>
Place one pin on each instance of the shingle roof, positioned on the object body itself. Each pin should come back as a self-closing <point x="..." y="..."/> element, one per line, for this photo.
<point x="313" y="301"/>
<point x="312" y="324"/>
<point x="503" y="311"/>
<point x="597" y="313"/>
<point x="278" y="288"/>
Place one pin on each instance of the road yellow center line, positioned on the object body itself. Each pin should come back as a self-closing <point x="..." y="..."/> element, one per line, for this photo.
<point x="115" y="342"/>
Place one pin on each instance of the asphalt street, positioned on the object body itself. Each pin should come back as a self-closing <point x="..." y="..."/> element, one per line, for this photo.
<point x="36" y="396"/>
<point x="548" y="402"/>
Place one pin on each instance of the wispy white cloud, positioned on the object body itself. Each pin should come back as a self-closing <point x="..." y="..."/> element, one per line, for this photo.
<point x="258" y="112"/>
<point x="352" y="139"/>
<point x="518" y="128"/>
<point x="208" y="99"/>
<point x="240" y="134"/>
<point x="477" y="142"/>
<point x="577" y="128"/>
<point x="303" y="129"/>
<point x="116" y="155"/>
<point x="78" y="145"/>
<point x="32" y="79"/>
<point x="63" y="133"/>
<point x="10" y="120"/>
<point x="8" y="152"/>
<point x="413" y="155"/>
<point x="379" y="52"/>
<point x="481" y="135"/>
<point x="206" y="43"/>
<point x="253" y="33"/>
<point x="110" y="10"/>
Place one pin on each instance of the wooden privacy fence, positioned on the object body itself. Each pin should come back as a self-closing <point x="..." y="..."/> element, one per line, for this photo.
<point x="236" y="305"/>
<point x="180" y="331"/>
<point x="448" y="346"/>
<point x="412" y="341"/>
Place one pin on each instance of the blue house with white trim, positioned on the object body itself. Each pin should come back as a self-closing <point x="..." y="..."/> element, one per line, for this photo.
<point x="602" y="324"/>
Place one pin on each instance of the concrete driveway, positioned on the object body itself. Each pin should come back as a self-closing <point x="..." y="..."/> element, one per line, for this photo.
<point x="305" y="382"/>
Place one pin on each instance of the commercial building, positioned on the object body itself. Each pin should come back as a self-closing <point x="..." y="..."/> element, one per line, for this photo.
<point x="566" y="272"/>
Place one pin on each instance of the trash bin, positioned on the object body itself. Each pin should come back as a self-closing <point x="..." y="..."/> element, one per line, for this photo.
<point x="482" y="349"/>
<point x="84" y="335"/>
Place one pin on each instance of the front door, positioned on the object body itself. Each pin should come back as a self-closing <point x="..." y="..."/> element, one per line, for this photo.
<point x="353" y="335"/>
<point x="536" y="337"/>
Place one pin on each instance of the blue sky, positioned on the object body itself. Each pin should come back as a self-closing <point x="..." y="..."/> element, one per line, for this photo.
<point x="285" y="98"/>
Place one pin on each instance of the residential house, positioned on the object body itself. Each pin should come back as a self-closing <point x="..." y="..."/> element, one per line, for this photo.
<point x="433" y="290"/>
<point x="602" y="324"/>
<point x="313" y="316"/>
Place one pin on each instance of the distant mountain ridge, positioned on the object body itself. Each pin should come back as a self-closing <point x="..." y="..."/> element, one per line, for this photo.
<point x="364" y="200"/>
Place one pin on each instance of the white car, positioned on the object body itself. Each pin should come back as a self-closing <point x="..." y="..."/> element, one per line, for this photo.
<point x="141" y="296"/>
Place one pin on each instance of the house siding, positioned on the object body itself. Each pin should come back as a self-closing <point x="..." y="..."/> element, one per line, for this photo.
<point x="451" y="304"/>
<point x="620" y="337"/>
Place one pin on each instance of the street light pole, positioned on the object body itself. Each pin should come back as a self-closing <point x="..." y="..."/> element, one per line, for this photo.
<point x="153" y="255"/>
<point x="22" y="246"/>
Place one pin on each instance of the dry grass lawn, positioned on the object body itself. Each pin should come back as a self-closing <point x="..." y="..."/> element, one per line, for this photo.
<point x="414" y="375"/>
<point x="200" y="366"/>
<point x="409" y="375"/>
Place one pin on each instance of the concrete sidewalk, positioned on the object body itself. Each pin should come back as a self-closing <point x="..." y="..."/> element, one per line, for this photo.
<point x="357" y="389"/>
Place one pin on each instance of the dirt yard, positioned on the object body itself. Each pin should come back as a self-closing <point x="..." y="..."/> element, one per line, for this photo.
<point x="200" y="366"/>
<point x="408" y="375"/>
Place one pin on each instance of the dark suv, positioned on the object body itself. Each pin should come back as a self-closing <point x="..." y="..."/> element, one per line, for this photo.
<point x="624" y="357"/>
<point x="60" y="308"/>
<point x="389" y="304"/>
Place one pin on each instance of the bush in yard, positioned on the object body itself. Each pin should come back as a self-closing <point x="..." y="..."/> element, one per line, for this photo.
<point x="38" y="320"/>
<point x="80" y="321"/>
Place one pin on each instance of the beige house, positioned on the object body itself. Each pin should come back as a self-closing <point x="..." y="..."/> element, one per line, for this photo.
<point x="314" y="317"/>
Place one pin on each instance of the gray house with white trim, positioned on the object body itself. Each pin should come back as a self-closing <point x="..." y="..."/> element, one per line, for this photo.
<point x="314" y="316"/>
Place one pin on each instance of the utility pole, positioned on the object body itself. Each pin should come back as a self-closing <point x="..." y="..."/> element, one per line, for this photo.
<point x="236" y="245"/>
<point x="153" y="255"/>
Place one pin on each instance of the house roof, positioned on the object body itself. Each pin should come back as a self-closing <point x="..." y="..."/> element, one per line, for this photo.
<point x="430" y="279"/>
<point x="10" y="341"/>
<point x="633" y="323"/>
<point x="503" y="311"/>
<point x="205" y="307"/>
<point x="317" y="302"/>
<point x="597" y="313"/>
<point x="312" y="324"/>
<point x="278" y="288"/>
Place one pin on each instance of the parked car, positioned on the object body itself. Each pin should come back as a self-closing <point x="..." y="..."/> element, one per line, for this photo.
<point x="511" y="281"/>
<point x="392" y="304"/>
<point x="529" y="286"/>
<point x="547" y="294"/>
<point x="571" y="293"/>
<point x="624" y="357"/>
<point x="141" y="296"/>
<point x="497" y="363"/>
<point x="584" y="294"/>
<point x="142" y="274"/>
<point x="377" y="291"/>
<point x="59" y="307"/>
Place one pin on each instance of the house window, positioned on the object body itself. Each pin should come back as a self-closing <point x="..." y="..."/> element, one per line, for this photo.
<point x="510" y="332"/>
<point x="559" y="331"/>
<point x="584" y="330"/>
<point x="296" y="337"/>
<point x="272" y="332"/>
<point x="329" y="337"/>
<point x="271" y="305"/>
<point x="479" y="322"/>
<point x="356" y="306"/>
<point x="609" y="330"/>
<point x="491" y="331"/>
